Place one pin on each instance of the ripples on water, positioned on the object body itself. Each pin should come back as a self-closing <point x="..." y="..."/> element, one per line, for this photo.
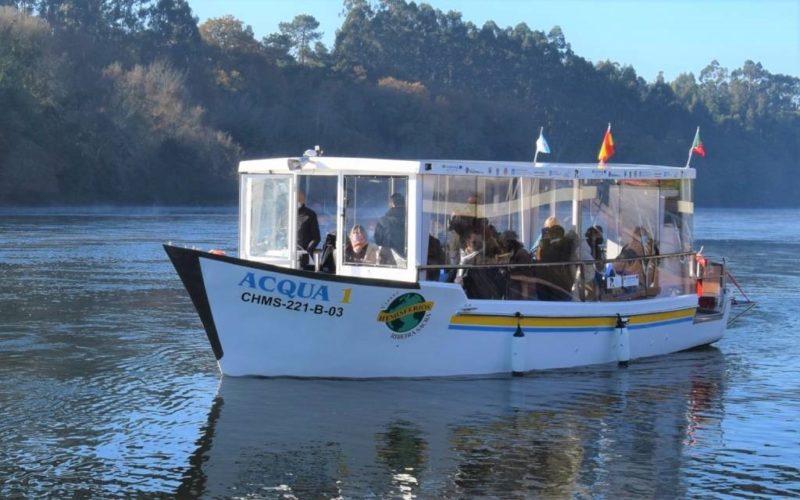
<point x="110" y="389"/>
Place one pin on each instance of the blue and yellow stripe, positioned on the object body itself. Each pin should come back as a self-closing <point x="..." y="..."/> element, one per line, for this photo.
<point x="508" y="324"/>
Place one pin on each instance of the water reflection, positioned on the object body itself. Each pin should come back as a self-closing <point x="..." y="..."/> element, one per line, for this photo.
<point x="605" y="431"/>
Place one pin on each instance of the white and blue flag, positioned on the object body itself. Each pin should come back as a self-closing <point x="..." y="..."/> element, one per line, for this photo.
<point x="541" y="143"/>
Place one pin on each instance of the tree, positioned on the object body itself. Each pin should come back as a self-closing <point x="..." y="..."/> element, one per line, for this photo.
<point x="98" y="19"/>
<point x="229" y="34"/>
<point x="302" y="35"/>
<point x="173" y="29"/>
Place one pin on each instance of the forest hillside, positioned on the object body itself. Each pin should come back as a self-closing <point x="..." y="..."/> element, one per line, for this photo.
<point x="133" y="101"/>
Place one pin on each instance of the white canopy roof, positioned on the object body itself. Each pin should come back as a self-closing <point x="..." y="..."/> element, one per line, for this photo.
<point x="327" y="165"/>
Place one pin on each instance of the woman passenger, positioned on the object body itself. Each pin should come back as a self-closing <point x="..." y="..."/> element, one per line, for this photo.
<point x="358" y="249"/>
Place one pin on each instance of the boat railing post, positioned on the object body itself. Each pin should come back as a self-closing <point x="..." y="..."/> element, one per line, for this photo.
<point x="581" y="282"/>
<point x="317" y="255"/>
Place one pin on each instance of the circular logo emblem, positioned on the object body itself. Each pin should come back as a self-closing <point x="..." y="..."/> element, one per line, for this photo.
<point x="405" y="313"/>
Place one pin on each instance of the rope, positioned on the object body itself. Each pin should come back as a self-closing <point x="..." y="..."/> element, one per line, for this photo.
<point x="728" y="273"/>
<point x="750" y="306"/>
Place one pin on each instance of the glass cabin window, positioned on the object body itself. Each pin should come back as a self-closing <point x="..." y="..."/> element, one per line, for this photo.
<point x="320" y="196"/>
<point x="641" y="217"/>
<point x="601" y="219"/>
<point x="454" y="207"/>
<point x="376" y="221"/>
<point x="470" y="221"/>
<point x="546" y="198"/>
<point x="269" y="217"/>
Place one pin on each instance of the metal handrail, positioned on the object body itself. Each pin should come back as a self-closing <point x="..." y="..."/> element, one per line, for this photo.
<point x="581" y="273"/>
<point x="561" y="263"/>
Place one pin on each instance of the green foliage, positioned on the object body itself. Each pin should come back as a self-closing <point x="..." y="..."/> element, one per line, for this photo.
<point x="131" y="101"/>
<point x="228" y="34"/>
<point x="301" y="35"/>
<point x="28" y="88"/>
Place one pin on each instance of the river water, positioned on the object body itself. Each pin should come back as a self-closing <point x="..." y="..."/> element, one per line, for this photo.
<point x="109" y="389"/>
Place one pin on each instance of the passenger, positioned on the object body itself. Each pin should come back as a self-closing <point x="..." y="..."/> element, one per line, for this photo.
<point x="593" y="248"/>
<point x="478" y="283"/>
<point x="472" y="251"/>
<point x="548" y="223"/>
<point x="435" y="256"/>
<point x="358" y="249"/>
<point x="327" y="260"/>
<point x="493" y="245"/>
<point x="555" y="282"/>
<point x="520" y="278"/>
<point x="457" y="230"/>
<point x="308" y="236"/>
<point x="390" y="231"/>
<point x="633" y="261"/>
<point x="462" y="223"/>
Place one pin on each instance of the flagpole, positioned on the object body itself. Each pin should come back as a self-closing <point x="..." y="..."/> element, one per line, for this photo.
<point x="691" y="148"/>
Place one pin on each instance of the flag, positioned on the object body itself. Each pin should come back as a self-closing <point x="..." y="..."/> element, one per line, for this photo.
<point x="697" y="147"/>
<point x="541" y="146"/>
<point x="541" y="143"/>
<point x="607" y="148"/>
<point x="697" y="144"/>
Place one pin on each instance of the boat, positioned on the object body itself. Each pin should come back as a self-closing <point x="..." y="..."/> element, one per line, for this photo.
<point x="452" y="268"/>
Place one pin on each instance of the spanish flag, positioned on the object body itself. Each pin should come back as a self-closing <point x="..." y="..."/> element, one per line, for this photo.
<point x="607" y="148"/>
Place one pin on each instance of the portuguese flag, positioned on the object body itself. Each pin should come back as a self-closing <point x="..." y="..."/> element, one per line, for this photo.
<point x="697" y="144"/>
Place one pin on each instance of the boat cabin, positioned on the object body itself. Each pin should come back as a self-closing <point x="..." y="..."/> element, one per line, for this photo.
<point x="501" y="230"/>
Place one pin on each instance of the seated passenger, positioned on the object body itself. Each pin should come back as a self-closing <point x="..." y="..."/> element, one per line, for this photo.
<point x="592" y="247"/>
<point x="555" y="282"/>
<point x="358" y="249"/>
<point x="633" y="261"/>
<point x="462" y="223"/>
<point x="478" y="283"/>
<point x="517" y="287"/>
<point x="435" y="256"/>
<point x="492" y="244"/>
<point x="548" y="223"/>
<point x="327" y="261"/>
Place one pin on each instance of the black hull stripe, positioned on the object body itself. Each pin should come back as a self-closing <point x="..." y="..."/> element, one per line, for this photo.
<point x="187" y="264"/>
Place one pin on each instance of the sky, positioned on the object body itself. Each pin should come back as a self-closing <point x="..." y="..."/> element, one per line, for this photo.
<point x="672" y="36"/>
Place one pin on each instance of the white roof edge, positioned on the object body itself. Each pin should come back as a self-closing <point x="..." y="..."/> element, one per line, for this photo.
<point x="331" y="163"/>
<point x="470" y="167"/>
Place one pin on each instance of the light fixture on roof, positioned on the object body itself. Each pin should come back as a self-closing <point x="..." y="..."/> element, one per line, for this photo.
<point x="297" y="163"/>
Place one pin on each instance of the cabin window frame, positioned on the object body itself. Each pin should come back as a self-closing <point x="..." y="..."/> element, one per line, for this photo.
<point x="247" y="205"/>
<point x="389" y="272"/>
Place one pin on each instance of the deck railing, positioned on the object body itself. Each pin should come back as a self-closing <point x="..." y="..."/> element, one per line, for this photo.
<point x="581" y="280"/>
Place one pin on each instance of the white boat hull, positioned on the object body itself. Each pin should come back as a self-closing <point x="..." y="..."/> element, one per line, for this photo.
<point x="264" y="320"/>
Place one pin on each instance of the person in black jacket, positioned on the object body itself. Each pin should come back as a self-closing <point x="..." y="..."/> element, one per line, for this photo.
<point x="555" y="282"/>
<point x="391" y="228"/>
<point x="518" y="277"/>
<point x="307" y="229"/>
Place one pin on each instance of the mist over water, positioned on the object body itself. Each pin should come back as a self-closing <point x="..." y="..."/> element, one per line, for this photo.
<point x="109" y="388"/>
